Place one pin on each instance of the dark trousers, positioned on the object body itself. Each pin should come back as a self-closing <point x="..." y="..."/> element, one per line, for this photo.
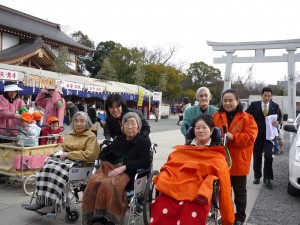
<point x="238" y="184"/>
<point x="261" y="146"/>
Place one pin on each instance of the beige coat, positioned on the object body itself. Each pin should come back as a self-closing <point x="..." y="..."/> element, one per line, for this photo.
<point x="83" y="146"/>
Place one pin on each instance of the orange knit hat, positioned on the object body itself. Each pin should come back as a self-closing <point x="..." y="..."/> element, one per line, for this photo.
<point x="52" y="119"/>
<point x="27" y="117"/>
<point x="37" y="116"/>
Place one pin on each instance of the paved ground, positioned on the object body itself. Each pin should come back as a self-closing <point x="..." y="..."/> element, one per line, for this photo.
<point x="264" y="206"/>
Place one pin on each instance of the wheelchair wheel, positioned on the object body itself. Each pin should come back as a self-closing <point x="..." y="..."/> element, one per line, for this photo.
<point x="4" y="180"/>
<point x="29" y="185"/>
<point x="72" y="216"/>
<point x="149" y="195"/>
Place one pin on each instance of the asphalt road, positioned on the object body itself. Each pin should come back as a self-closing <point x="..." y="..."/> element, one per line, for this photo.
<point x="265" y="206"/>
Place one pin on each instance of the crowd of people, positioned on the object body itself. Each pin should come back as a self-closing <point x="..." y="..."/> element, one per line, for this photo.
<point x="250" y="132"/>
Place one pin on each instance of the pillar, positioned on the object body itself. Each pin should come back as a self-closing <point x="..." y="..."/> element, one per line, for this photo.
<point x="228" y="70"/>
<point x="291" y="83"/>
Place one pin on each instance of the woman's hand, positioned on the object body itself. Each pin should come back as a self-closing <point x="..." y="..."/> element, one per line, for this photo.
<point x="229" y="135"/>
<point x="117" y="171"/>
<point x="17" y="116"/>
<point x="44" y="90"/>
<point x="64" y="156"/>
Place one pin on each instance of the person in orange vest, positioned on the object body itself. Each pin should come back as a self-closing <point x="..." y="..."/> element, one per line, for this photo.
<point x="241" y="131"/>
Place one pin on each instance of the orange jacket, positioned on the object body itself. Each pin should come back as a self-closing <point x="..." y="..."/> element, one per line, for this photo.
<point x="189" y="173"/>
<point x="244" y="130"/>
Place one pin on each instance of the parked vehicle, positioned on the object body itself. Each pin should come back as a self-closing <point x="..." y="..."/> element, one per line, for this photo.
<point x="294" y="156"/>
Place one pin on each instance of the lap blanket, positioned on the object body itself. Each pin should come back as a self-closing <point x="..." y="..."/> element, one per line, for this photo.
<point x="168" y="211"/>
<point x="50" y="182"/>
<point x="105" y="196"/>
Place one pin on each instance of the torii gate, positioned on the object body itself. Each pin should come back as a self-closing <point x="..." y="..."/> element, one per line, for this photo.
<point x="259" y="47"/>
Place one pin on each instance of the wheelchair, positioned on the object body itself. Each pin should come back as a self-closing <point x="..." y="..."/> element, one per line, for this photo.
<point x="78" y="176"/>
<point x="151" y="193"/>
<point x="138" y="208"/>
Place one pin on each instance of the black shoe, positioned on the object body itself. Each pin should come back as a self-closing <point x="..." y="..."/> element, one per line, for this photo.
<point x="256" y="181"/>
<point x="109" y="223"/>
<point x="238" y="222"/>
<point x="34" y="207"/>
<point x="268" y="182"/>
<point x="47" y="209"/>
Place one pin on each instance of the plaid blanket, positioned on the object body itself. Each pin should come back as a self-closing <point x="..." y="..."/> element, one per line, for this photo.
<point x="50" y="182"/>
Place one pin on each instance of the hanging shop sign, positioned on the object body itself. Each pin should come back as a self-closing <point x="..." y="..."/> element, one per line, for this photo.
<point x="94" y="88"/>
<point x="39" y="82"/>
<point x="8" y="74"/>
<point x="156" y="96"/>
<point x="72" y="86"/>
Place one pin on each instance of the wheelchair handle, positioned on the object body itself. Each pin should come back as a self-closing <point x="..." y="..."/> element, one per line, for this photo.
<point x="153" y="147"/>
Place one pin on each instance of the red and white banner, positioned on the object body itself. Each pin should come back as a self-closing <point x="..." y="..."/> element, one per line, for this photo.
<point x="93" y="88"/>
<point x="73" y="86"/>
<point x="8" y="74"/>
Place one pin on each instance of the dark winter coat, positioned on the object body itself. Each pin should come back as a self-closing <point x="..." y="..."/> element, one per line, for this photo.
<point x="135" y="154"/>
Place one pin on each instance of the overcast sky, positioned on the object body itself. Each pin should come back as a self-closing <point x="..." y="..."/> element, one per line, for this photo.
<point x="185" y="23"/>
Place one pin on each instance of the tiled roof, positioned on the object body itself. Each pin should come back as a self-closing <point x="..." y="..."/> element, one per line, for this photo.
<point x="20" y="21"/>
<point x="23" y="49"/>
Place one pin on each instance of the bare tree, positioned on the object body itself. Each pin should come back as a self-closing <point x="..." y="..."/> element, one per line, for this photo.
<point x="159" y="56"/>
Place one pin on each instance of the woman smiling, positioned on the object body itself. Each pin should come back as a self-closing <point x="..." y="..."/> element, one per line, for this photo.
<point x="242" y="132"/>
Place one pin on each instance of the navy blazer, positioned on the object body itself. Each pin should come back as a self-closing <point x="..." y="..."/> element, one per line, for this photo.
<point x="255" y="110"/>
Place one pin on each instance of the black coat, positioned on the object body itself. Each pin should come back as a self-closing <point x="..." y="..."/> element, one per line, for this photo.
<point x="92" y="114"/>
<point x="255" y="110"/>
<point x="135" y="154"/>
<point x="114" y="125"/>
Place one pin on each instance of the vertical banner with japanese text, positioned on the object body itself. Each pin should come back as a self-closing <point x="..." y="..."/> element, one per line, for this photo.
<point x="141" y="97"/>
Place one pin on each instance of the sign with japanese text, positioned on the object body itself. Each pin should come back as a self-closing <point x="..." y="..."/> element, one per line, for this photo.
<point x="35" y="81"/>
<point x="8" y="74"/>
<point x="141" y="97"/>
<point x="72" y="86"/>
<point x="94" y="88"/>
<point x="156" y="96"/>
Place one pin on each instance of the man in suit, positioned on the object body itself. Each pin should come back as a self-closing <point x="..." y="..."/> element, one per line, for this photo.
<point x="259" y="110"/>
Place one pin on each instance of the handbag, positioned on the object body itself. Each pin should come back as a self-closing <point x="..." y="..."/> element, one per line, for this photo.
<point x="94" y="127"/>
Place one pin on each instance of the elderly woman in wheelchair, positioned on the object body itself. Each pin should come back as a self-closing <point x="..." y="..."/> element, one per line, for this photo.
<point x="185" y="181"/>
<point x="105" y="197"/>
<point x="81" y="144"/>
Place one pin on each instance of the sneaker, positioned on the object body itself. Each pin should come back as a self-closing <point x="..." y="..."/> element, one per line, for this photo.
<point x="34" y="207"/>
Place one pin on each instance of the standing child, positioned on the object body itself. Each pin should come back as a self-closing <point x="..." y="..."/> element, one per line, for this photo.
<point x="53" y="131"/>
<point x="29" y="130"/>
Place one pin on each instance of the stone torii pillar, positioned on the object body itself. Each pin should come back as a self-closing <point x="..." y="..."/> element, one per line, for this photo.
<point x="260" y="47"/>
<point x="291" y="83"/>
<point x="228" y="70"/>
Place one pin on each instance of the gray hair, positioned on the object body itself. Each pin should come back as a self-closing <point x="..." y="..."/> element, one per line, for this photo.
<point x="202" y="89"/>
<point x="85" y="116"/>
<point x="132" y="115"/>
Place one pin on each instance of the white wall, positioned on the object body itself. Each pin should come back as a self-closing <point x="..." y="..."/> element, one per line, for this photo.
<point x="9" y="41"/>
